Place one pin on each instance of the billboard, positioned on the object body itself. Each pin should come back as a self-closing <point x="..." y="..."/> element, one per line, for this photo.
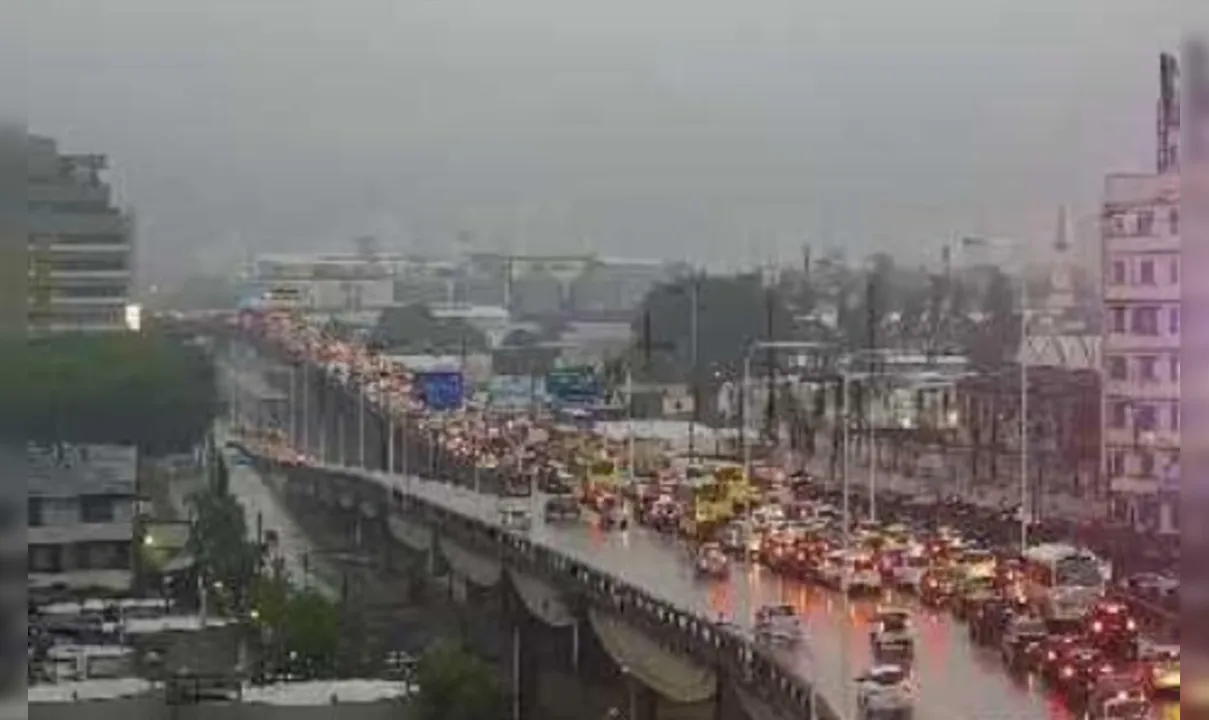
<point x="577" y="385"/>
<point x="516" y="392"/>
<point x="440" y="389"/>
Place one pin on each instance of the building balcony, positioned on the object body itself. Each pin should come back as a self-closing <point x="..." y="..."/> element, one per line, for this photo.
<point x="1133" y="389"/>
<point x="74" y="273"/>
<point x="62" y="192"/>
<point x="81" y="533"/>
<point x="1120" y="342"/>
<point x="118" y="581"/>
<point x="1163" y="439"/>
<point x="60" y="224"/>
<point x="1165" y="293"/>
<point x="104" y="249"/>
<point x="87" y="301"/>
<point x="1135" y="485"/>
<point x="1153" y="243"/>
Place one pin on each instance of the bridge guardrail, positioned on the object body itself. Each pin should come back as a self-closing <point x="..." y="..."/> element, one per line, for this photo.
<point x="681" y="631"/>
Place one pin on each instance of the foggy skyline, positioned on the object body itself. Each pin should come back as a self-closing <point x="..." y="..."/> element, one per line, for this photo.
<point x="723" y="133"/>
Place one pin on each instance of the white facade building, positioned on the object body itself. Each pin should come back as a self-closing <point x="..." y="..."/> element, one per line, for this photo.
<point x="1141" y="347"/>
<point x="81" y="507"/>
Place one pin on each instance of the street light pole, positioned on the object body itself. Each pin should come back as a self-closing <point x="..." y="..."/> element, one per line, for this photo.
<point x="694" y="300"/>
<point x="1025" y="512"/>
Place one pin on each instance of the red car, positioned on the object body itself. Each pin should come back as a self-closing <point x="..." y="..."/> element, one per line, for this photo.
<point x="1111" y="628"/>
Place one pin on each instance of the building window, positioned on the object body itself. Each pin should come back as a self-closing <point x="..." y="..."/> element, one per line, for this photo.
<point x="1145" y="419"/>
<point x="1173" y="368"/>
<point x="1116" y="463"/>
<point x="1173" y="271"/>
<point x="1173" y="220"/>
<point x="1146" y="321"/>
<point x="1118" y="319"/>
<point x="1146" y="272"/>
<point x="96" y="509"/>
<point x="46" y="558"/>
<point x="1118" y="369"/>
<point x="1119" y="411"/>
<point x="1146" y="223"/>
<point x="1146" y="463"/>
<point x="1175" y="416"/>
<point x="1118" y="272"/>
<point x="102" y="556"/>
<point x="34" y="512"/>
<point x="1146" y="368"/>
<point x="1173" y="320"/>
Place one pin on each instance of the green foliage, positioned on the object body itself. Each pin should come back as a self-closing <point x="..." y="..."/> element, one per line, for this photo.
<point x="414" y="329"/>
<point x="455" y="685"/>
<point x="139" y="389"/>
<point x="311" y="632"/>
<point x="218" y="540"/>
<point x="732" y="313"/>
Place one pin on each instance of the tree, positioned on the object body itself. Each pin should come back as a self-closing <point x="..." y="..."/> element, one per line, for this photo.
<point x="311" y="634"/>
<point x="732" y="313"/>
<point x="998" y="335"/>
<point x="218" y="540"/>
<point x="455" y="685"/>
<point x="144" y="389"/>
<point x="413" y="328"/>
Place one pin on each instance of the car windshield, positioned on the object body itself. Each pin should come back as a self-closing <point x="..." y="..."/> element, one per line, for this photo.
<point x="887" y="676"/>
<point x="1078" y="571"/>
<point x="1031" y="628"/>
<point x="894" y="622"/>
<point x="1130" y="709"/>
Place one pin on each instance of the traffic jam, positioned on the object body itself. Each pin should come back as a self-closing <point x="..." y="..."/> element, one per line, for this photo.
<point x="1054" y="613"/>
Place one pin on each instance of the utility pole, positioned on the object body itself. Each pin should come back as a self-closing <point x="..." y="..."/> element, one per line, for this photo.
<point x="871" y="319"/>
<point x="694" y="301"/>
<point x="770" y="359"/>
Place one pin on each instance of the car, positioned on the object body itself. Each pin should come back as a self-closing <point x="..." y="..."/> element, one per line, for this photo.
<point x="613" y="515"/>
<point x="892" y="635"/>
<point x="562" y="508"/>
<point x="1112" y="629"/>
<point x="909" y="575"/>
<point x="711" y="561"/>
<point x="1024" y="633"/>
<point x="1162" y="666"/>
<point x="1117" y="695"/>
<point x="515" y="518"/>
<point x="938" y="587"/>
<point x="860" y="574"/>
<point x="1083" y="667"/>
<point x="885" y="693"/>
<point x="779" y="624"/>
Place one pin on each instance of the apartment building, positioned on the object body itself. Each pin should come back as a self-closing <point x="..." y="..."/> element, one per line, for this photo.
<point x="1142" y="332"/>
<point x="80" y="246"/>
<point x="82" y="501"/>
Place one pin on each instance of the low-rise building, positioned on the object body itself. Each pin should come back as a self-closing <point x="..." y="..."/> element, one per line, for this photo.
<point x="81" y="518"/>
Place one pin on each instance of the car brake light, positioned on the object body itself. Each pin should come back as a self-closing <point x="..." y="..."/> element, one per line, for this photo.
<point x="1052" y="655"/>
<point x="1097" y="627"/>
<point x="1131" y="625"/>
<point x="1068" y="671"/>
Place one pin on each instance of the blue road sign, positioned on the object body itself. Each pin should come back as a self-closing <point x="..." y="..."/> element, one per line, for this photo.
<point x="441" y="389"/>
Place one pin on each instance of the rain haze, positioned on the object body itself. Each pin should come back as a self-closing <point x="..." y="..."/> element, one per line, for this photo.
<point x="722" y="132"/>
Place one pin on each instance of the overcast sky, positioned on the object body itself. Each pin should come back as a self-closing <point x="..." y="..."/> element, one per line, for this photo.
<point x="720" y="131"/>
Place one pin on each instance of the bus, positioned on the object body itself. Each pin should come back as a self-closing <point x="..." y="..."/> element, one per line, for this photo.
<point x="1061" y="581"/>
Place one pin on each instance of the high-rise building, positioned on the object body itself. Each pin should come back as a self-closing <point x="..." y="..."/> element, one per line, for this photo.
<point x="80" y="246"/>
<point x="1142" y="329"/>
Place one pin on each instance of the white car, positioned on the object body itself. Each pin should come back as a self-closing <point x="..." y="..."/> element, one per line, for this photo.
<point x="779" y="623"/>
<point x="860" y="574"/>
<point x="892" y="634"/>
<point x="910" y="574"/>
<point x="518" y="519"/>
<point x="885" y="693"/>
